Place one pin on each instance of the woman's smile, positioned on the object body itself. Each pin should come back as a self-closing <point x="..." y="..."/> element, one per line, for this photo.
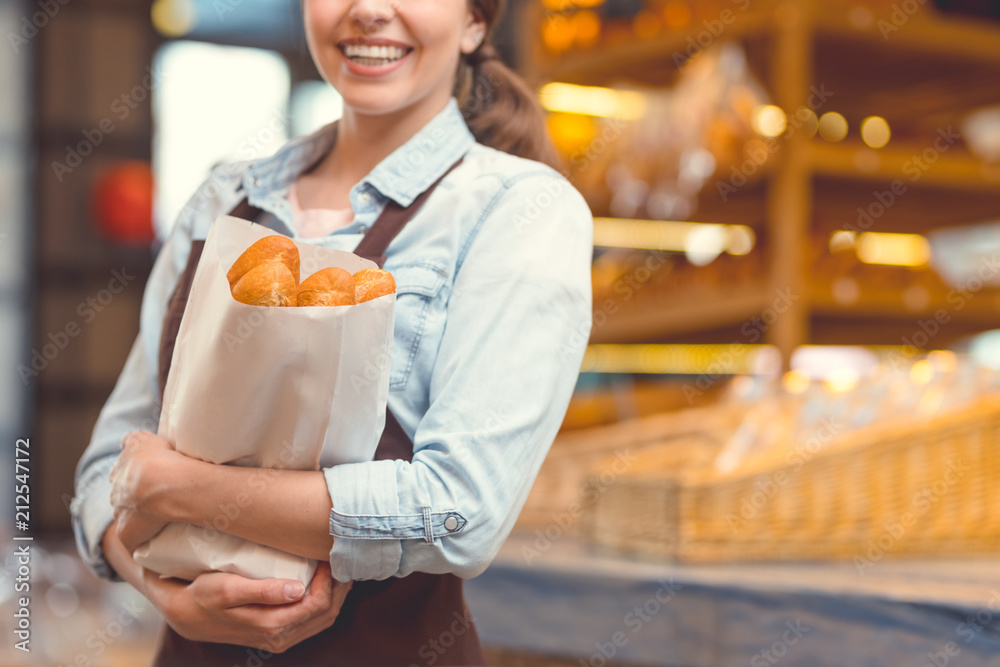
<point x="373" y="57"/>
<point x="384" y="57"/>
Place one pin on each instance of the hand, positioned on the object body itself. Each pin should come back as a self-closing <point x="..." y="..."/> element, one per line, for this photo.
<point x="136" y="479"/>
<point x="230" y="609"/>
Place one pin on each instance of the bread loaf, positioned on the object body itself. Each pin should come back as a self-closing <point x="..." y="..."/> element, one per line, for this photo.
<point x="267" y="284"/>
<point x="326" y="287"/>
<point x="372" y="283"/>
<point x="267" y="274"/>
<point x="268" y="249"/>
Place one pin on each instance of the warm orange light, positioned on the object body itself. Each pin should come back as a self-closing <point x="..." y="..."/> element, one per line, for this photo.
<point x="646" y="24"/>
<point x="921" y="372"/>
<point x="832" y="126"/>
<point x="875" y="131"/>
<point x="570" y="131"/>
<point x="587" y="26"/>
<point x="557" y="33"/>
<point x="795" y="382"/>
<point x="676" y="14"/>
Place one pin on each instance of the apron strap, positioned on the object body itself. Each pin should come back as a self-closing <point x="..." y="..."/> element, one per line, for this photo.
<point x="394" y="217"/>
<point x="247" y="212"/>
<point x="388" y="225"/>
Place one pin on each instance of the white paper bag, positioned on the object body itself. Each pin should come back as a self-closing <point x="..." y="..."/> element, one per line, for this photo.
<point x="293" y="388"/>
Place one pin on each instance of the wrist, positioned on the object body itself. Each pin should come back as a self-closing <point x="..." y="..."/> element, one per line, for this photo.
<point x="170" y="493"/>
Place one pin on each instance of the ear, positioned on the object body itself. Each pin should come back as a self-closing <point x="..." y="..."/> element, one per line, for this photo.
<point x="473" y="33"/>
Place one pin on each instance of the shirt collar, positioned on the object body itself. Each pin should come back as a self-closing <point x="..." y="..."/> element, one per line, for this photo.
<point x="402" y="176"/>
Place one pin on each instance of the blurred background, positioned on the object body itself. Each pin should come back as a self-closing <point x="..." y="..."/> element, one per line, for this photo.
<point x="784" y="442"/>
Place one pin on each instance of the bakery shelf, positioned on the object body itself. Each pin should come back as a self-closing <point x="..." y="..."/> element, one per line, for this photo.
<point x="922" y="77"/>
<point x="952" y="168"/>
<point x="648" y="320"/>
<point x="877" y="317"/>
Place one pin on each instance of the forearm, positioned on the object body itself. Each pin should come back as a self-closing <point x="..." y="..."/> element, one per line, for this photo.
<point x="284" y="509"/>
<point x="121" y="560"/>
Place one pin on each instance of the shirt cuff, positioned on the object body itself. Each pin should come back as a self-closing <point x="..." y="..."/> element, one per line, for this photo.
<point x="92" y="514"/>
<point x="364" y="497"/>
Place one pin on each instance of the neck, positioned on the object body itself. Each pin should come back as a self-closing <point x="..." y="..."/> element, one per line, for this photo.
<point x="363" y="141"/>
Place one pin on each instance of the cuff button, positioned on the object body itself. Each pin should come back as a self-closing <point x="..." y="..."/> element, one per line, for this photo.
<point x="451" y="523"/>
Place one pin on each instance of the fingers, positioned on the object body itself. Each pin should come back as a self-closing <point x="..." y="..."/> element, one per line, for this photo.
<point x="321" y="619"/>
<point x="222" y="590"/>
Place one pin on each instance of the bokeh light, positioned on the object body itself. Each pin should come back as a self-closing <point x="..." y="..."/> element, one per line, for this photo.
<point x="769" y="120"/>
<point x="875" y="131"/>
<point x="832" y="126"/>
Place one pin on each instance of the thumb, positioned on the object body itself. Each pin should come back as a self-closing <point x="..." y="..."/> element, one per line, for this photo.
<point x="231" y="590"/>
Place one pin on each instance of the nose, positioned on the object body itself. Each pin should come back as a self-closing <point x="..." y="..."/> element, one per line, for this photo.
<point x="372" y="13"/>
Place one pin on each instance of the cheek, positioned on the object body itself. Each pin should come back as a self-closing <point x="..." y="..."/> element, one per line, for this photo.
<point x="320" y="17"/>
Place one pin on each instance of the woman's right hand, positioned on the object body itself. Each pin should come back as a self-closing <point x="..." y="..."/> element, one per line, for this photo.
<point x="270" y="614"/>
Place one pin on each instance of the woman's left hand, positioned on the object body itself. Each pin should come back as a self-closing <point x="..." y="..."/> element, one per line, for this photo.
<point x="137" y="481"/>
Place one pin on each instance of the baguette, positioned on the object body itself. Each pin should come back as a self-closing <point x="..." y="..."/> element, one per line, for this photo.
<point x="373" y="283"/>
<point x="326" y="287"/>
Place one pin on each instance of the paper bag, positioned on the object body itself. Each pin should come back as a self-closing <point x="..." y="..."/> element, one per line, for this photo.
<point x="293" y="388"/>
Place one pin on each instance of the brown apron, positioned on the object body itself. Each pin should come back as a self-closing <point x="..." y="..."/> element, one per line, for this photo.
<point x="416" y="620"/>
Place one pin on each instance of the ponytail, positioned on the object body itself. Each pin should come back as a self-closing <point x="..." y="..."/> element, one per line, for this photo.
<point x="499" y="108"/>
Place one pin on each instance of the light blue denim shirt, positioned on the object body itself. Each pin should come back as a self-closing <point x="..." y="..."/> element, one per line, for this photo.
<point x="493" y="312"/>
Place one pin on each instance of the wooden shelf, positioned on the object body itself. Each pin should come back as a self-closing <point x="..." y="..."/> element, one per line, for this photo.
<point x="632" y="60"/>
<point x="880" y="316"/>
<point x="924" y="78"/>
<point x="928" y="46"/>
<point x="927" y="32"/>
<point x="953" y="167"/>
<point x="648" y="320"/>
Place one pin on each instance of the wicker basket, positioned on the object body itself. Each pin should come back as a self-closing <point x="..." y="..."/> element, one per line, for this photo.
<point x="582" y="464"/>
<point x="925" y="487"/>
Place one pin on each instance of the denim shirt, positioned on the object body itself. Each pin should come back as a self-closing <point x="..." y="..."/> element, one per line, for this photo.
<point x="493" y="311"/>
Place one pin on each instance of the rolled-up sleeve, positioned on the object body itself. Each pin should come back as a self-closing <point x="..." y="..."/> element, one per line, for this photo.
<point x="518" y="319"/>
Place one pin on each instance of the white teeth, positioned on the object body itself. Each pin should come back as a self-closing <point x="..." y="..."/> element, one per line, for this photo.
<point x="368" y="53"/>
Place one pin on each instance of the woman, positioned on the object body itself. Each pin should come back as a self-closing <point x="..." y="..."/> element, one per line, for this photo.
<point x="491" y="253"/>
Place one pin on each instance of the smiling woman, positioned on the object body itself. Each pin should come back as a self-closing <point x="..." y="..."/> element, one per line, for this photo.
<point x="437" y="158"/>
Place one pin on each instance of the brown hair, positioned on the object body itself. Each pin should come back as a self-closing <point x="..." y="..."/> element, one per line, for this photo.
<point x="497" y="104"/>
